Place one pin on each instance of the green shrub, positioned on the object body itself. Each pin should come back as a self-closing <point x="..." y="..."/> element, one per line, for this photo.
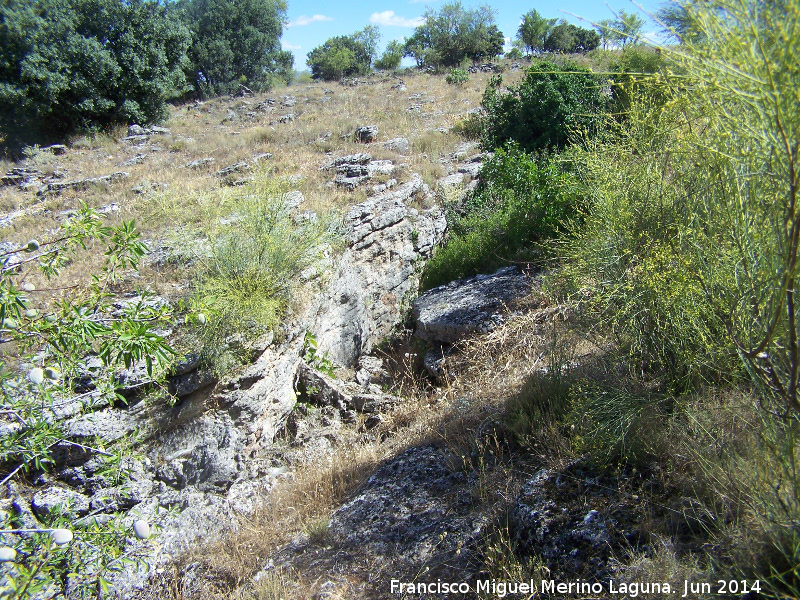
<point x="457" y="77"/>
<point x="235" y="43"/>
<point x="391" y="57"/>
<point x="519" y="203"/>
<point x="255" y="263"/>
<point x="82" y="63"/>
<point x="548" y="109"/>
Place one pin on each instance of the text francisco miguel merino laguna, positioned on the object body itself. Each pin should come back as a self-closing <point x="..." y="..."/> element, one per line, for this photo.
<point x="500" y="589"/>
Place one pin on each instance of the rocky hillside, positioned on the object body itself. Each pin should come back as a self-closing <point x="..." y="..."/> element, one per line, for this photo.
<point x="345" y="437"/>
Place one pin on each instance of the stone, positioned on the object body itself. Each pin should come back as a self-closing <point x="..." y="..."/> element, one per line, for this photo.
<point x="362" y="158"/>
<point x="472" y="169"/>
<point x="183" y="385"/>
<point x="366" y="134"/>
<point x="136" y="160"/>
<point x="56" y="149"/>
<point x="400" y="145"/>
<point x="136" y="130"/>
<point x="82" y="184"/>
<point x="450" y="182"/>
<point x="210" y="462"/>
<point x="109" y="424"/>
<point x="199" y="163"/>
<point x="460" y="308"/>
<point x="405" y="511"/>
<point x="287" y="118"/>
<point x="47" y="500"/>
<point x="324" y="390"/>
<point x="376" y="273"/>
<point x="239" y="167"/>
<point x="292" y="200"/>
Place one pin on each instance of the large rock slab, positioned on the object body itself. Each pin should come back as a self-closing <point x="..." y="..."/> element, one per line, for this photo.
<point x="460" y="308"/>
<point x="377" y="273"/>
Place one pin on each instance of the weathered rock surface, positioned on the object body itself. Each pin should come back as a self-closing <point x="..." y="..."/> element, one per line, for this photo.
<point x="399" y="145"/>
<point x="453" y="311"/>
<point x="366" y="134"/>
<point x="53" y="498"/>
<point x="82" y="184"/>
<point x="377" y="272"/>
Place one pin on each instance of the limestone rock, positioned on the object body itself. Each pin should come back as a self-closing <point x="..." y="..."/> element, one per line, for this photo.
<point x="377" y="272"/>
<point x="400" y="145"/>
<point x="50" y="498"/>
<point x="366" y="134"/>
<point x="453" y="311"/>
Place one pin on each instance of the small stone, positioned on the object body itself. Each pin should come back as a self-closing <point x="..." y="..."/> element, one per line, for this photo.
<point x="32" y="246"/>
<point x="141" y="529"/>
<point x="31" y="313"/>
<point x="61" y="536"/>
<point x="7" y="554"/>
<point x="52" y="374"/>
<point x="36" y="375"/>
<point x="28" y="286"/>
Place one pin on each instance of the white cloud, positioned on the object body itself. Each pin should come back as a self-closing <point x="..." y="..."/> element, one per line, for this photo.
<point x="304" y="20"/>
<point x="388" y="18"/>
<point x="288" y="46"/>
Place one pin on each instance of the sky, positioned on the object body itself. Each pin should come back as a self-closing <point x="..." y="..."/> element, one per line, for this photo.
<point x="312" y="22"/>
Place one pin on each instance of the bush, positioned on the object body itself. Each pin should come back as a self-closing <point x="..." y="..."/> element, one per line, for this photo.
<point x="548" y="109"/>
<point x="73" y="64"/>
<point x="344" y="55"/>
<point x="457" y="77"/>
<point x="391" y="57"/>
<point x="255" y="263"/>
<point x="520" y="203"/>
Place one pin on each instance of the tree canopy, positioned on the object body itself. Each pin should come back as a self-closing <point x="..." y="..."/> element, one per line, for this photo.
<point x="534" y="30"/>
<point x="235" y="42"/>
<point x="452" y="34"/>
<point x="67" y="64"/>
<point x="345" y="55"/>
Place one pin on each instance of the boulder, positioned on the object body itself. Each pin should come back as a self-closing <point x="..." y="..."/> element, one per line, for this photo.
<point x="400" y="145"/>
<point x="199" y="163"/>
<point x="366" y="134"/>
<point x="460" y="308"/>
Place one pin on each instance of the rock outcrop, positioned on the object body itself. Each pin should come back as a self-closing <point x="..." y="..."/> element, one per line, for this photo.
<point x="455" y="310"/>
<point x="377" y="273"/>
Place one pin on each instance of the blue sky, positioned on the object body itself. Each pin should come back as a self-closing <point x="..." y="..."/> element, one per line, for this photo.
<point x="311" y="22"/>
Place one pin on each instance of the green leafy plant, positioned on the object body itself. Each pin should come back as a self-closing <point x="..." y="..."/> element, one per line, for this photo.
<point x="548" y="109"/>
<point x="519" y="203"/>
<point x="48" y="343"/>
<point x="457" y="77"/>
<point x="313" y="358"/>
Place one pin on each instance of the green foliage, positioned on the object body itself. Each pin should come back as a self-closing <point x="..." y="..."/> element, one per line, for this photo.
<point x="70" y="64"/>
<point x="256" y="261"/>
<point x="49" y="340"/>
<point x="566" y="37"/>
<point x="534" y="30"/>
<point x="513" y="54"/>
<point x="625" y="29"/>
<point x="551" y="106"/>
<point x="312" y="357"/>
<point x="519" y="203"/>
<point x="457" y="77"/>
<point x="391" y="57"/>
<point x="235" y="42"/>
<point x="344" y="55"/>
<point x="454" y="34"/>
